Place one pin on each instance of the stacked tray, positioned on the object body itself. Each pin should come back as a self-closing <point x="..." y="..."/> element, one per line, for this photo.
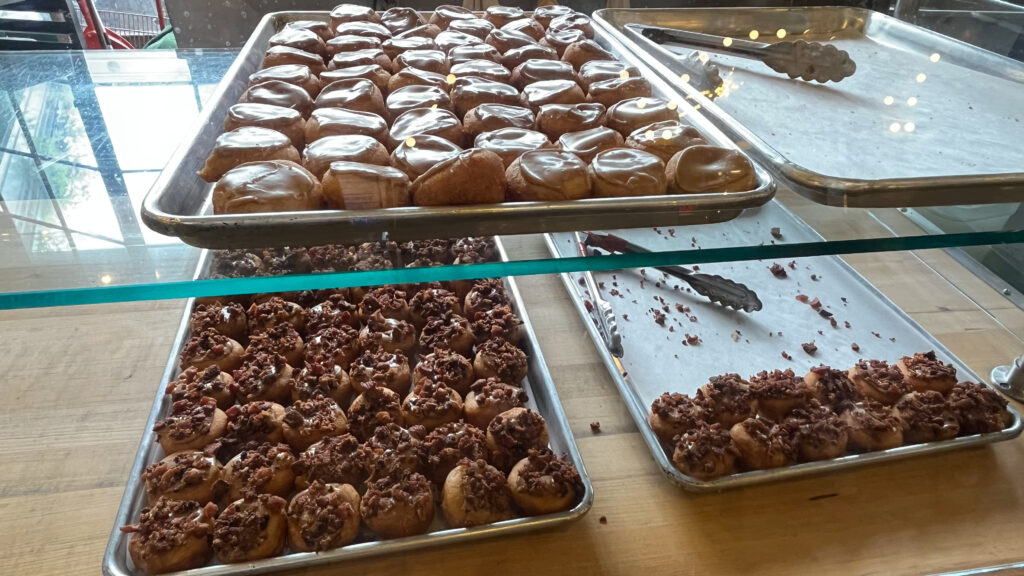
<point x="541" y="398"/>
<point x="179" y="203"/>
<point x="815" y="311"/>
<point x="925" y="120"/>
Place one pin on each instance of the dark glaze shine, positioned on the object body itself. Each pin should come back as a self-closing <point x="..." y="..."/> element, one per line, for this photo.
<point x="587" y="143"/>
<point x="550" y="168"/>
<point x="626" y="167"/>
<point x="485" y="69"/>
<point x="426" y="151"/>
<point x="421" y="121"/>
<point x="248" y="137"/>
<point x="411" y="97"/>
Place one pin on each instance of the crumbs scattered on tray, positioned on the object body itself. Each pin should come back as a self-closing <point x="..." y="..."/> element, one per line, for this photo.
<point x="735" y="335"/>
<point x="786" y="355"/>
<point x="776" y="233"/>
<point x="809" y="347"/>
<point x="876" y="334"/>
<point x="777" y="270"/>
<point x="854" y="347"/>
<point x="595" y="427"/>
<point x="625" y="317"/>
<point x="691" y="340"/>
<point x="603" y="520"/>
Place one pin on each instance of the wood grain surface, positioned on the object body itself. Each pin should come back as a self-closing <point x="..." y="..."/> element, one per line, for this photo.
<point x="79" y="382"/>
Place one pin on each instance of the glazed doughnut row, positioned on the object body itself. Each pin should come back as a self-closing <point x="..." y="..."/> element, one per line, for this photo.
<point x="777" y="418"/>
<point x="311" y="420"/>
<point x="382" y="110"/>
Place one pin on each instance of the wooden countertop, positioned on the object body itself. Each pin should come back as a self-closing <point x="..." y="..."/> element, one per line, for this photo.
<point x="79" y="382"/>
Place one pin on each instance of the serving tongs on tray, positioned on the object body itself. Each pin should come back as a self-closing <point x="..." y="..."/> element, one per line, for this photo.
<point x="798" y="59"/>
<point x="604" y="316"/>
<point x="715" y="288"/>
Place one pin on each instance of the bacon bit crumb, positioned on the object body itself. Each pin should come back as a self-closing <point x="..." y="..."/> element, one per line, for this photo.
<point x="602" y="520"/>
<point x="643" y="272"/>
<point x="777" y="270"/>
<point x="893" y="339"/>
<point x="692" y="339"/>
<point x="792" y="265"/>
<point x="671" y="328"/>
<point x="820" y="333"/>
<point x="696" y="268"/>
<point x="846" y="323"/>
<point x="614" y="292"/>
<point x="843" y="298"/>
<point x="855" y="347"/>
<point x="776" y="233"/>
<point x="600" y="285"/>
<point x="816" y="304"/>
<point x="581" y="281"/>
<point x="659" y="318"/>
<point x="625" y="317"/>
<point x="803" y="298"/>
<point x="693" y="318"/>
<point x="809" y="347"/>
<point x="595" y="427"/>
<point x="672" y="232"/>
<point x="833" y="322"/>
<point x="814" y="277"/>
<point x="642" y="287"/>
<point x="735" y="335"/>
<point x="779" y="333"/>
<point x="876" y="334"/>
<point x="786" y="355"/>
<point x="588" y="305"/>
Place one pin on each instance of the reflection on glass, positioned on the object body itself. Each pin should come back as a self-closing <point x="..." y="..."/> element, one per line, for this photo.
<point x="146" y="123"/>
<point x="51" y="115"/>
<point x="82" y="198"/>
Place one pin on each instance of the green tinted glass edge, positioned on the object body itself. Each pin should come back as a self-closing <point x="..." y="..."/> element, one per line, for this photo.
<point x="223" y="287"/>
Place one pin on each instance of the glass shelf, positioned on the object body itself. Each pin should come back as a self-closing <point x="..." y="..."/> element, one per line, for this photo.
<point x="84" y="135"/>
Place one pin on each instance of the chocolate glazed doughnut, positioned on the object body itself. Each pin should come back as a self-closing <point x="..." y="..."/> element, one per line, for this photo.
<point x="610" y="91"/>
<point x="543" y="92"/>
<point x="400" y="19"/>
<point x="554" y="120"/>
<point x="517" y="56"/>
<point x="473" y="26"/>
<point x="354" y="148"/>
<point x="627" y="172"/>
<point x="664" y="140"/>
<point x="491" y="117"/>
<point x="279" y="93"/>
<point x="598" y="70"/>
<point x="354" y="94"/>
<point x="270" y="186"/>
<point x="373" y="72"/>
<point x="535" y="70"/>
<point x="472" y="176"/>
<point x="426" y="121"/>
<point x="285" y="120"/>
<point x="562" y="39"/>
<point x="527" y="26"/>
<point x="470" y="92"/>
<point x="589" y="143"/>
<point x="429" y="60"/>
<point x="482" y="68"/>
<point x="296" y="74"/>
<point x="579" y="53"/>
<point x="545" y="14"/>
<point x="510" y="143"/>
<point x="246" y="144"/>
<point x="393" y="47"/>
<point x="360" y="186"/>
<point x="461" y="54"/>
<point x="702" y="168"/>
<point x="628" y="115"/>
<point x="350" y="43"/>
<point x="546" y="175"/>
<point x="416" y="77"/>
<point x="341" y="122"/>
<point x="416" y="155"/>
<point x="501" y="15"/>
<point x="360" y="57"/>
<point x="306" y="40"/>
<point x="278" y="55"/>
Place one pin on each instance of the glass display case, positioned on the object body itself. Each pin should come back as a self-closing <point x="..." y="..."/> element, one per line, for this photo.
<point x="89" y="295"/>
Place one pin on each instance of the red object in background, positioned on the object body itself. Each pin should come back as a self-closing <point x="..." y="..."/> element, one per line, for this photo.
<point x="110" y="39"/>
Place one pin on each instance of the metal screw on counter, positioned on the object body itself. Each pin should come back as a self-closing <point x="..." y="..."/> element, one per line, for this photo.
<point x="1010" y="379"/>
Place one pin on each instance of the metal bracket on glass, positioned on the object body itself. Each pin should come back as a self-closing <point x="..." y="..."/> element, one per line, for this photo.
<point x="1010" y="379"/>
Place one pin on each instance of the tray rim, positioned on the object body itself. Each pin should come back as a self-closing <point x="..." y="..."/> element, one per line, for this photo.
<point x="205" y="231"/>
<point x="757" y="477"/>
<point x="833" y="190"/>
<point x="539" y="377"/>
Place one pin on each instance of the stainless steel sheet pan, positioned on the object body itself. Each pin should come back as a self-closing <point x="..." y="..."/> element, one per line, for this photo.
<point x="926" y="120"/>
<point x="542" y="398"/>
<point x="657" y="361"/>
<point x="179" y="202"/>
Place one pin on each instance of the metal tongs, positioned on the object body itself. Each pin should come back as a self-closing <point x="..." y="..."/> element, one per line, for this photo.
<point x="605" y="316"/>
<point x="715" y="288"/>
<point x="810" y="61"/>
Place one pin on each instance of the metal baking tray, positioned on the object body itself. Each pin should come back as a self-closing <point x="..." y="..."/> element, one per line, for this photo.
<point x="543" y="398"/>
<point x="656" y="361"/>
<point x="926" y="120"/>
<point x="179" y="202"/>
